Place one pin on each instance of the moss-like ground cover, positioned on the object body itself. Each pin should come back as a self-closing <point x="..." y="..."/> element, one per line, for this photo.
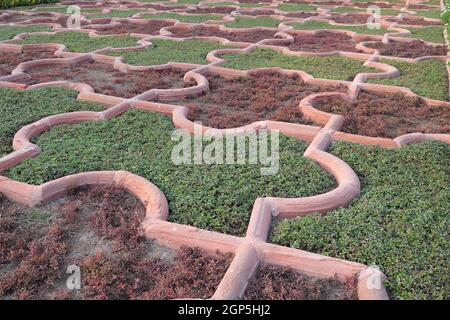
<point x="289" y="7"/>
<point x="317" y="25"/>
<point x="164" y="51"/>
<point x="81" y="42"/>
<point x="430" y="34"/>
<point x="19" y="108"/>
<point x="334" y="67"/>
<point x="215" y="197"/>
<point x="400" y="223"/>
<point x="384" y="11"/>
<point x="10" y="32"/>
<point x="241" y="22"/>
<point x="115" y="14"/>
<point x="198" y="18"/>
<point x="427" y="78"/>
<point x="433" y="14"/>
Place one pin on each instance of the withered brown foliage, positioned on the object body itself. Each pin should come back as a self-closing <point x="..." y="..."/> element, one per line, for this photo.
<point x="412" y="49"/>
<point x="278" y="283"/>
<point x="109" y="81"/>
<point x="263" y="96"/>
<point x="323" y="41"/>
<point x="388" y="115"/>
<point x="149" y="27"/>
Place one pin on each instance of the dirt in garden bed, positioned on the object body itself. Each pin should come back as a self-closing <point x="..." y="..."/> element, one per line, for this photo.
<point x="150" y="27"/>
<point x="97" y="229"/>
<point x="10" y="60"/>
<point x="417" y="21"/>
<point x="280" y="283"/>
<point x="263" y="96"/>
<point x="19" y="17"/>
<point x="59" y="20"/>
<point x="387" y="115"/>
<point x="209" y="31"/>
<point x="208" y="10"/>
<point x="413" y="49"/>
<point x="323" y="41"/>
<point x="351" y="18"/>
<point x="155" y="6"/>
<point x="109" y="81"/>
<point x="370" y="4"/>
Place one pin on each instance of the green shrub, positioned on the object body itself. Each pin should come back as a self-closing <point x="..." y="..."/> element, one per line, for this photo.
<point x="399" y="223"/>
<point x="4" y="4"/>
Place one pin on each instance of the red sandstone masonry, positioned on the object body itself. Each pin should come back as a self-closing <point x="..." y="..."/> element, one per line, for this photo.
<point x="252" y="249"/>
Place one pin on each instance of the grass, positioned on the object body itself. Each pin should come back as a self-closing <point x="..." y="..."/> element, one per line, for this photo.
<point x="289" y="7"/>
<point x="430" y="34"/>
<point x="384" y="11"/>
<point x="427" y="78"/>
<point x="81" y="42"/>
<point x="315" y="25"/>
<point x="433" y="14"/>
<point x="19" y="108"/>
<point x="400" y="223"/>
<point x="214" y="197"/>
<point x="10" y="32"/>
<point x="253" y="22"/>
<point x="164" y="51"/>
<point x="198" y="18"/>
<point x="334" y="67"/>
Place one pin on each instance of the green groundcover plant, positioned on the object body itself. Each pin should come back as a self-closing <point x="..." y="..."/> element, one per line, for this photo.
<point x="4" y="4"/>
<point x="427" y="78"/>
<point x="164" y="51"/>
<point x="333" y="67"/>
<point x="18" y="108"/>
<point x="400" y="223"/>
<point x="215" y="197"/>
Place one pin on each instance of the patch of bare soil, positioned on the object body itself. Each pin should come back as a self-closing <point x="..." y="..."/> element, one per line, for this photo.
<point x="323" y="41"/>
<point x="97" y="229"/>
<point x="351" y="18"/>
<point x="206" y="10"/>
<point x="9" y="61"/>
<point x="255" y="1"/>
<point x="278" y="283"/>
<point x="210" y="31"/>
<point x="413" y="49"/>
<point x="158" y="7"/>
<point x="419" y="21"/>
<point x="107" y="80"/>
<point x="388" y="115"/>
<point x="62" y="20"/>
<point x="238" y="102"/>
<point x="369" y="4"/>
<point x="150" y="27"/>
<point x="420" y="6"/>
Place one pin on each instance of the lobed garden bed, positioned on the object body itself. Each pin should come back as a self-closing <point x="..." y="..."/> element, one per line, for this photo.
<point x="104" y="79"/>
<point x="98" y="230"/>
<point x="151" y="27"/>
<point x="238" y="102"/>
<point x="387" y="115"/>
<point x="323" y="41"/>
<point x="10" y="60"/>
<point x="410" y="49"/>
<point x="278" y="283"/>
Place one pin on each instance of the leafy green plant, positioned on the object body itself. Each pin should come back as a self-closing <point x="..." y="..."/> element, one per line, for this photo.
<point x="399" y="223"/>
<point x="241" y="22"/>
<point x="4" y="4"/>
<point x="315" y="25"/>
<point x="197" y="18"/>
<point x="288" y="7"/>
<point x="19" y="108"/>
<point x="334" y="67"/>
<point x="214" y="197"/>
<point x="430" y="34"/>
<point x="427" y="78"/>
<point x="164" y="51"/>
<point x="10" y="32"/>
<point x="81" y="42"/>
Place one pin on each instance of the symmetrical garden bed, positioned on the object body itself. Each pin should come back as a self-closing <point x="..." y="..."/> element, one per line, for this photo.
<point x="94" y="183"/>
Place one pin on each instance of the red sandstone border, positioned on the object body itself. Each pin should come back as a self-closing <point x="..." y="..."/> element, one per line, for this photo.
<point x="249" y="251"/>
